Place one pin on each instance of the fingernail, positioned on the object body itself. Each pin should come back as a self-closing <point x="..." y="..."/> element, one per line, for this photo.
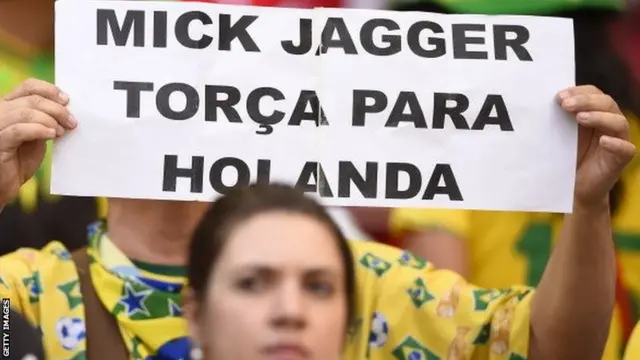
<point x="64" y="97"/>
<point x="570" y="103"/>
<point x="59" y="130"/>
<point x="563" y="95"/>
<point x="605" y="140"/>
<point x="51" y="133"/>
<point x="72" y="120"/>
<point x="583" y="117"/>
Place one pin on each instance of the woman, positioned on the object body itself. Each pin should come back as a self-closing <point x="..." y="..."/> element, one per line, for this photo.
<point x="291" y="296"/>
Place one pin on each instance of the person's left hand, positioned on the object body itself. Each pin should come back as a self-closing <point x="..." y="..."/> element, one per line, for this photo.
<point x="604" y="148"/>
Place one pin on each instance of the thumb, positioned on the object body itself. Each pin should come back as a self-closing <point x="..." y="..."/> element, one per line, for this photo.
<point x="617" y="153"/>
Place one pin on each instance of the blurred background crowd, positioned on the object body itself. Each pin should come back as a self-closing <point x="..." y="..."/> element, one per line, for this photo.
<point x="491" y="249"/>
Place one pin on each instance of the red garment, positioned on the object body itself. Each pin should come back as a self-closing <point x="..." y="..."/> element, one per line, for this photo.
<point x="623" y="300"/>
<point x="626" y="39"/>
<point x="388" y="239"/>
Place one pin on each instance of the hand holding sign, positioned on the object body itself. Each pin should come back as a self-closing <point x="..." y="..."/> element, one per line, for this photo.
<point x="33" y="113"/>
<point x="359" y="107"/>
<point x="603" y="142"/>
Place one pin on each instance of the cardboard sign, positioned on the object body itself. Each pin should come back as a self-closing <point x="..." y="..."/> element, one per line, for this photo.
<point x="185" y="101"/>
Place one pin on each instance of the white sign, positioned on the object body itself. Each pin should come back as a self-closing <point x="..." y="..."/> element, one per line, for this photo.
<point x="184" y="100"/>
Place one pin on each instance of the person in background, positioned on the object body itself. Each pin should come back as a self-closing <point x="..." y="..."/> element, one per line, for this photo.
<point x="285" y="298"/>
<point x="405" y="308"/>
<point x="626" y="38"/>
<point x="36" y="217"/>
<point x="498" y="249"/>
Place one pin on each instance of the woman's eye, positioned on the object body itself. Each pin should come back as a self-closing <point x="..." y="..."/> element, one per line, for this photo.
<point x="320" y="288"/>
<point x="250" y="284"/>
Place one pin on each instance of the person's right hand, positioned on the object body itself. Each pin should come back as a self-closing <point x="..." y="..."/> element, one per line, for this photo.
<point x="29" y="116"/>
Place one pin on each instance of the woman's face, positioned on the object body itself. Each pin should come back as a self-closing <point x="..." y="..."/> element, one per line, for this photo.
<point x="276" y="292"/>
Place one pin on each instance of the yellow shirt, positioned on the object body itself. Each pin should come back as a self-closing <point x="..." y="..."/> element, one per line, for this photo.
<point x="405" y="308"/>
<point x="507" y="248"/>
<point x="633" y="346"/>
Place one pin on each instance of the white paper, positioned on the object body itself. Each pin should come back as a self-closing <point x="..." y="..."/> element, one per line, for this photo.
<point x="112" y="154"/>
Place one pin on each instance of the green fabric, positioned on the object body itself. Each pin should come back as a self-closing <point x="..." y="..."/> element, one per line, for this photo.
<point x="517" y="7"/>
<point x="42" y="67"/>
<point x="166" y="270"/>
<point x="15" y="68"/>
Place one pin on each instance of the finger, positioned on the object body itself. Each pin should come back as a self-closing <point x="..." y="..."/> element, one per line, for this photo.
<point x="29" y="115"/>
<point x="620" y="152"/>
<point x="608" y="123"/>
<point x="47" y="106"/>
<point x="15" y="135"/>
<point x="39" y="87"/>
<point x="578" y="90"/>
<point x="590" y="102"/>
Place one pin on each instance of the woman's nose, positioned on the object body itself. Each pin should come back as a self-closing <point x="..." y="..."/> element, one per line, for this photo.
<point x="289" y="307"/>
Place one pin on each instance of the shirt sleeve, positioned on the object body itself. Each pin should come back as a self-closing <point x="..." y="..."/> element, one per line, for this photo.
<point x="406" y="220"/>
<point x="23" y="275"/>
<point x="409" y="310"/>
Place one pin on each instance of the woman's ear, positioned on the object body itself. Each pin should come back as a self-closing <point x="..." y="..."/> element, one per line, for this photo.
<point x="190" y="308"/>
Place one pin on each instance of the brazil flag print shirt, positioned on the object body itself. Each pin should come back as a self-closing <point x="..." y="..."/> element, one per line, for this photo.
<point x="406" y="310"/>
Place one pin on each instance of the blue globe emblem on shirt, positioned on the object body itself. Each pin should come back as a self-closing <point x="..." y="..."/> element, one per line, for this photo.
<point x="62" y="254"/>
<point x="94" y="228"/>
<point x="377" y="265"/>
<point x="178" y="348"/>
<point x="411" y="349"/>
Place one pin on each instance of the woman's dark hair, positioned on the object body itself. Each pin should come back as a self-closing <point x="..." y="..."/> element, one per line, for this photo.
<point x="240" y="205"/>
<point x="597" y="61"/>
